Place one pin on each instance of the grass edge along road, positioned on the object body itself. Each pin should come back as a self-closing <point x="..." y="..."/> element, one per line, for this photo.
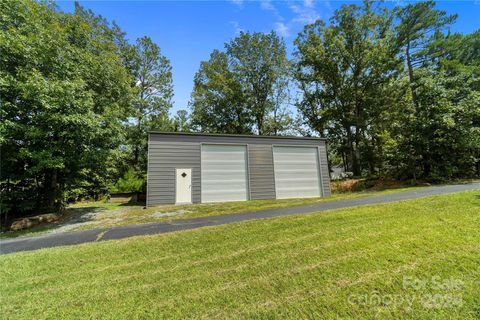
<point x="103" y="214"/>
<point x="329" y="264"/>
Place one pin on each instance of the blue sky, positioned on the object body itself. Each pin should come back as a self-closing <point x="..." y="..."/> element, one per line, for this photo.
<point x="188" y="31"/>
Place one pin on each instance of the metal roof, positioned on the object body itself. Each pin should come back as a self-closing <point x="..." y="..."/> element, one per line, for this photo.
<point x="233" y="135"/>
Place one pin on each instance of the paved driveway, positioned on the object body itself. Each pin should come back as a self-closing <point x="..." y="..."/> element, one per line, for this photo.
<point x="71" y="238"/>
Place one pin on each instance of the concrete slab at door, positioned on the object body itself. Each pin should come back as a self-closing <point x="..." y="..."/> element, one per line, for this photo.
<point x="183" y="186"/>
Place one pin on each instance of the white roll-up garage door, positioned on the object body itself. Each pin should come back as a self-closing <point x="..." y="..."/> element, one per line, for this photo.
<point x="224" y="173"/>
<point x="296" y="172"/>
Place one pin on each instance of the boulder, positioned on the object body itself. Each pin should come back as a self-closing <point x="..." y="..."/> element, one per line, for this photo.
<point x="29" y="222"/>
<point x="48" y="217"/>
<point x="21" y="224"/>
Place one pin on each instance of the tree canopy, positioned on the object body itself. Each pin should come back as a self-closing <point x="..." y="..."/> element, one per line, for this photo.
<point x="76" y="101"/>
<point x="344" y="71"/>
<point x="393" y="96"/>
<point x="64" y="94"/>
<point x="243" y="89"/>
<point x="395" y="92"/>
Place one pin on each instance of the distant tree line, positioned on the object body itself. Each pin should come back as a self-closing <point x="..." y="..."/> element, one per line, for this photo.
<point x="394" y="92"/>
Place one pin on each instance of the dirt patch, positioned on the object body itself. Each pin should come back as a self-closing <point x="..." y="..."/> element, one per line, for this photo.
<point x="86" y="216"/>
<point x="170" y="214"/>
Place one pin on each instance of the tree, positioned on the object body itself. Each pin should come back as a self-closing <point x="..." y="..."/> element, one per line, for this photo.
<point x="259" y="62"/>
<point x="152" y="74"/>
<point x="418" y="23"/>
<point x="439" y="116"/>
<point x="242" y="90"/>
<point x="345" y="72"/>
<point x="280" y="119"/>
<point x="443" y="132"/>
<point x="64" y="92"/>
<point x="218" y="104"/>
<point x="440" y="131"/>
<point x="181" y="121"/>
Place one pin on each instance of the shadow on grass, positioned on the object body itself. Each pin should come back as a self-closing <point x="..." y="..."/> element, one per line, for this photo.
<point x="477" y="196"/>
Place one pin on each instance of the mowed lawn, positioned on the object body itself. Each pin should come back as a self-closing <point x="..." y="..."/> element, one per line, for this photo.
<point x="125" y="214"/>
<point x="102" y="214"/>
<point x="410" y="259"/>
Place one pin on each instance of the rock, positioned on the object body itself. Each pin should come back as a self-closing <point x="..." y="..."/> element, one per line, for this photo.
<point x="48" y="217"/>
<point x="29" y="222"/>
<point x="21" y="224"/>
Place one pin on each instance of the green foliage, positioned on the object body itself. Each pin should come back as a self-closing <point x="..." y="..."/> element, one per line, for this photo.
<point x="382" y="119"/>
<point x="437" y="127"/>
<point x="64" y="93"/>
<point x="243" y="90"/>
<point x="131" y="181"/>
<point x="181" y="121"/>
<point x="346" y="71"/>
<point x="441" y="138"/>
<point x="77" y="101"/>
<point x="153" y="91"/>
<point x="396" y="97"/>
<point x="217" y="100"/>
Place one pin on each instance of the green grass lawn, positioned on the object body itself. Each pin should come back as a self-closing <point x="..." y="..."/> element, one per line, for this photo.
<point x="112" y="214"/>
<point x="383" y="261"/>
<point x="137" y="214"/>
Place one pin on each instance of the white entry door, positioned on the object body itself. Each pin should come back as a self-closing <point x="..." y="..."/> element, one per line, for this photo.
<point x="183" y="186"/>
<point x="224" y="173"/>
<point x="296" y="172"/>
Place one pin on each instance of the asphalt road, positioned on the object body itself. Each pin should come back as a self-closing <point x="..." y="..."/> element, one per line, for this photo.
<point x="72" y="238"/>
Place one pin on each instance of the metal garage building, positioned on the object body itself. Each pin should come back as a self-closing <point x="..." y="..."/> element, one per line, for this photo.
<point x="202" y="168"/>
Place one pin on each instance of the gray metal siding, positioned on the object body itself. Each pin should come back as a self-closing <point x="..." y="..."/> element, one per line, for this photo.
<point x="262" y="181"/>
<point x="164" y="157"/>
<point x="326" y="191"/>
<point x="169" y="151"/>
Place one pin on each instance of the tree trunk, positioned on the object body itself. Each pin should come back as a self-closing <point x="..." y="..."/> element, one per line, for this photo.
<point x="427" y="167"/>
<point x="52" y="192"/>
<point x="356" y="162"/>
<point x="275" y="123"/>
<point x="136" y="153"/>
<point x="357" y="171"/>
<point x="381" y="164"/>
<point x="260" y="124"/>
<point x="136" y="149"/>
<point x="352" y="150"/>
<point x="411" y="78"/>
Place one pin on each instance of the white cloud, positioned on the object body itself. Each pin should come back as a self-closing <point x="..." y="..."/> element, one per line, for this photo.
<point x="237" y="27"/>
<point x="282" y="29"/>
<point x="305" y="13"/>
<point x="308" y="3"/>
<point x="267" y="5"/>
<point x="237" y="2"/>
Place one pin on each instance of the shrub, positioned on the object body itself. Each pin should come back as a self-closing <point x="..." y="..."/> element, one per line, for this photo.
<point x="130" y="182"/>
